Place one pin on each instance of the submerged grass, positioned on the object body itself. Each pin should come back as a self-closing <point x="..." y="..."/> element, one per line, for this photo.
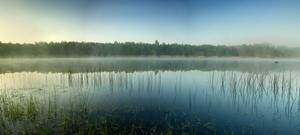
<point x="32" y="116"/>
<point x="27" y="116"/>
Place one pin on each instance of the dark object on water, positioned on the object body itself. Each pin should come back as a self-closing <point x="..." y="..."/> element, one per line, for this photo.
<point x="276" y="62"/>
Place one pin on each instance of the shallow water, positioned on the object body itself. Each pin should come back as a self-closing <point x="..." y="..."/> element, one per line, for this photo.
<point x="244" y="96"/>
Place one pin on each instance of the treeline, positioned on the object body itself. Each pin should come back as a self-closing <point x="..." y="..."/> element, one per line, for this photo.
<point x="91" y="49"/>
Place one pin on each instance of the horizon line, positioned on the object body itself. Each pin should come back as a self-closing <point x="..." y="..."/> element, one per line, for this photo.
<point x="139" y="42"/>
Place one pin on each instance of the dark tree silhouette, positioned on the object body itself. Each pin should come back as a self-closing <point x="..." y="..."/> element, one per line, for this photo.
<point x="89" y="49"/>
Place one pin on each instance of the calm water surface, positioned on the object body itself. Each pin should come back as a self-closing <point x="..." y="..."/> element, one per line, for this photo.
<point x="245" y="96"/>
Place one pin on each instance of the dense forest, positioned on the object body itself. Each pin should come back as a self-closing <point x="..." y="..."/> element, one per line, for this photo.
<point x="91" y="49"/>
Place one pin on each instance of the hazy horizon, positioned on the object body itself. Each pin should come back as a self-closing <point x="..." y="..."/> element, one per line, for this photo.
<point x="153" y="42"/>
<point x="231" y="22"/>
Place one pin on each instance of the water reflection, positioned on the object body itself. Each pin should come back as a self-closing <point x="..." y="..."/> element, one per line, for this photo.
<point x="73" y="65"/>
<point x="243" y="101"/>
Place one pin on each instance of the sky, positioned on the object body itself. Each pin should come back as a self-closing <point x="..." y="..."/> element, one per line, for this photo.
<point x="218" y="22"/>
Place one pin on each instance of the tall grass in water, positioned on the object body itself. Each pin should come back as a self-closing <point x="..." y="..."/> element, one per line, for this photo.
<point x="77" y="113"/>
<point x="250" y="88"/>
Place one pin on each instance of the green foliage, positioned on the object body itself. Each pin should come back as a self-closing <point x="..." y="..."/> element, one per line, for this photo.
<point x="91" y="49"/>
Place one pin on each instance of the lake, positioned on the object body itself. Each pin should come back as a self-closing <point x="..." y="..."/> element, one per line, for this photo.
<point x="150" y="96"/>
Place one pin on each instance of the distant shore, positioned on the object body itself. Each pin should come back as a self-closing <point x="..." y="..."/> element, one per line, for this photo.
<point x="132" y="49"/>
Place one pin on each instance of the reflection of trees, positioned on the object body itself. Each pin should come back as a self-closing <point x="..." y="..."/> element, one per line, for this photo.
<point x="139" y="64"/>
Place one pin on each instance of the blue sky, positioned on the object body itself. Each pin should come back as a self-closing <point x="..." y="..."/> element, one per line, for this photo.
<point x="229" y="22"/>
